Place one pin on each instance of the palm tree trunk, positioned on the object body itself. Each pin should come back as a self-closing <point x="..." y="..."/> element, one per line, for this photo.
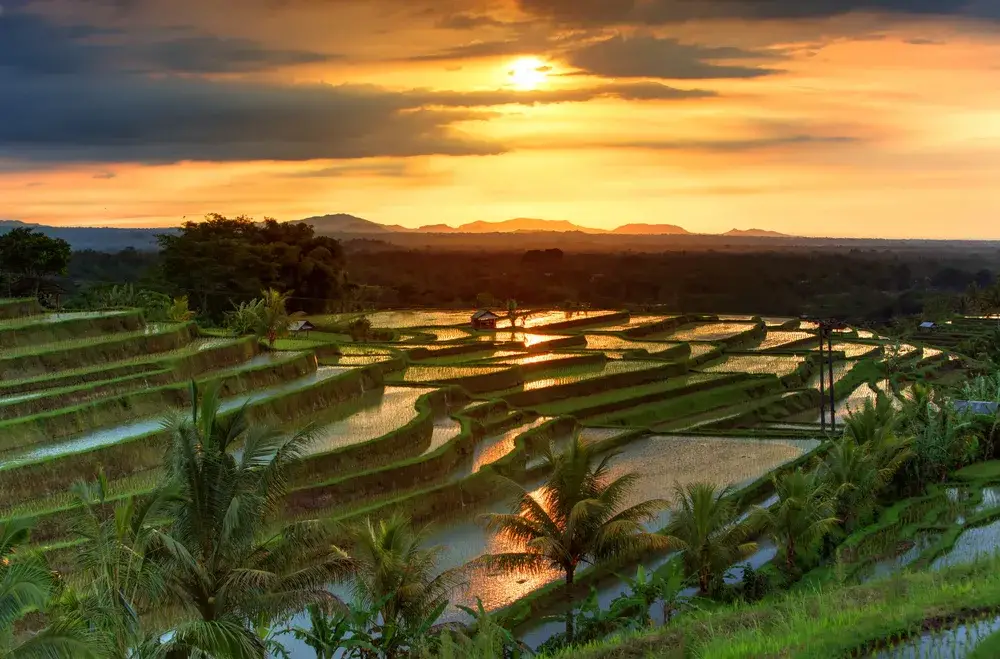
<point x="569" y="603"/>
<point x="790" y="555"/>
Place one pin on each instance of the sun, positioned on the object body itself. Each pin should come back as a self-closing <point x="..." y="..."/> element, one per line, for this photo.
<point x="528" y="73"/>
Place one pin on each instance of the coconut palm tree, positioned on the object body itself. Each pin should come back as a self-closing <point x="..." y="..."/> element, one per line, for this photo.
<point x="802" y="516"/>
<point x="225" y="563"/>
<point x="858" y="471"/>
<point x="116" y="574"/>
<point x="27" y="586"/>
<point x="396" y="579"/>
<point x="274" y="315"/>
<point x="705" y="526"/>
<point x="578" y="517"/>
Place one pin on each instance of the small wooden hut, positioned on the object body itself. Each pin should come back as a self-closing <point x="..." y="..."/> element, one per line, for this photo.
<point x="297" y="326"/>
<point x="484" y="319"/>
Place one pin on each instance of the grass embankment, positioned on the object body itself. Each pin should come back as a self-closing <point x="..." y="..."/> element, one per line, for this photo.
<point x="184" y="362"/>
<point x="40" y="359"/>
<point x="141" y="400"/>
<point x="66" y="327"/>
<point x="18" y="308"/>
<point x="830" y="621"/>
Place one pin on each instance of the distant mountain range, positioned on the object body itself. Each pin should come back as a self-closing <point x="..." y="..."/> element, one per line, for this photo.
<point x="341" y="223"/>
<point x="101" y="239"/>
<point x="526" y="233"/>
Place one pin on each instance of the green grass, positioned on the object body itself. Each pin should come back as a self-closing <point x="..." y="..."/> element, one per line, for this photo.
<point x="981" y="471"/>
<point x="829" y="621"/>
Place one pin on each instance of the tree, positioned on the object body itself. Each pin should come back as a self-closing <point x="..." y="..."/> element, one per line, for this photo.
<point x="578" y="517"/>
<point x="704" y="526"/>
<point x="862" y="463"/>
<point x="512" y="312"/>
<point x="396" y="580"/>
<point x="224" y="561"/>
<point x="117" y="574"/>
<point x="27" y="586"/>
<point x="359" y="329"/>
<point x="179" y="311"/>
<point x="274" y="316"/>
<point x="325" y="635"/>
<point x="223" y="261"/>
<point x="29" y="256"/>
<point x="802" y="516"/>
<point x="245" y="317"/>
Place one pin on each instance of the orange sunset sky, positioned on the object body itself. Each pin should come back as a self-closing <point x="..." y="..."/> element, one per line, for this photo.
<point x="877" y="118"/>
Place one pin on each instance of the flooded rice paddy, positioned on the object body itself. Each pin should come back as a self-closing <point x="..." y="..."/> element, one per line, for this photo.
<point x="709" y="331"/>
<point x="610" y="342"/>
<point x="779" y="365"/>
<point x="139" y="428"/>
<point x="781" y="338"/>
<point x="953" y="642"/>
<point x="571" y="375"/>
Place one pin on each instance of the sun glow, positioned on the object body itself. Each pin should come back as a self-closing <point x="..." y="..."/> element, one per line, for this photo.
<point x="528" y="73"/>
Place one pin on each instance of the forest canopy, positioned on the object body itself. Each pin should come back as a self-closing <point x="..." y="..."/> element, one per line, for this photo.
<point x="223" y="261"/>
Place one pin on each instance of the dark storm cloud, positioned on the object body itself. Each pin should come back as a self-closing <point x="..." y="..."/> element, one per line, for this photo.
<point x="652" y="57"/>
<point x="29" y="43"/>
<point x="133" y="119"/>
<point x="607" y="12"/>
<point x="136" y="119"/>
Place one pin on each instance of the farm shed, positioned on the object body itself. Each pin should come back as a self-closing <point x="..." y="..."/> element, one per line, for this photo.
<point x="484" y="319"/>
<point x="300" y="326"/>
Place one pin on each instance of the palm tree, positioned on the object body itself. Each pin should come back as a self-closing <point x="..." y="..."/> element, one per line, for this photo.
<point x="396" y="580"/>
<point x="577" y="518"/>
<point x="858" y="470"/>
<point x="802" y="516"/>
<point x="223" y="564"/>
<point x="274" y="316"/>
<point x="116" y="573"/>
<point x="704" y="525"/>
<point x="27" y="586"/>
<point x="324" y="635"/>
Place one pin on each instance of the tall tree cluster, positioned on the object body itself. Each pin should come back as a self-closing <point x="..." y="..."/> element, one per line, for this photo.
<point x="223" y="261"/>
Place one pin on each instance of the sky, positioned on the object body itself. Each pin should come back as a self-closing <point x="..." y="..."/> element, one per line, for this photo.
<point x="867" y="118"/>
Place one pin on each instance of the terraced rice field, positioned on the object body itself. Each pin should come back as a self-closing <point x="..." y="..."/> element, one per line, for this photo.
<point x="779" y="365"/>
<point x="587" y="373"/>
<point x="527" y="338"/>
<point x="610" y="342"/>
<point x="356" y="408"/>
<point x="710" y="331"/>
<point x="779" y="338"/>
<point x="421" y="374"/>
<point x="633" y="322"/>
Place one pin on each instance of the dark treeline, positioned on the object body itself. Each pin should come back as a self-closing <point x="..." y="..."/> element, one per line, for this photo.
<point x="862" y="286"/>
<point x="858" y="285"/>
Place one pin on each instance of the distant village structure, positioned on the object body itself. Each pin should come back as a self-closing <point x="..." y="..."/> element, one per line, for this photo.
<point x="484" y="319"/>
